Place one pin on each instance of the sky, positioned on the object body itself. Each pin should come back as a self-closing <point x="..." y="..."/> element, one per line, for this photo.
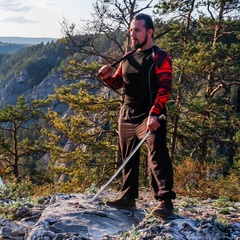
<point x="41" y="18"/>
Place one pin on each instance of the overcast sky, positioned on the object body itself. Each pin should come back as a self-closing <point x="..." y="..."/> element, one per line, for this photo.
<point x="40" y="18"/>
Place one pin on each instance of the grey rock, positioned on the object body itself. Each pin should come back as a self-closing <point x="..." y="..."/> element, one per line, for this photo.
<point x="5" y="232"/>
<point x="75" y="217"/>
<point x="75" y="214"/>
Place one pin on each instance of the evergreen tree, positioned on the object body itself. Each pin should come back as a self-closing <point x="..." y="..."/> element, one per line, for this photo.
<point x="205" y="51"/>
<point x="15" y="149"/>
<point x="83" y="143"/>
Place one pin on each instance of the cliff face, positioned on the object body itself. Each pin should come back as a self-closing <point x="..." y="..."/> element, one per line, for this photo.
<point x="29" y="72"/>
<point x="13" y="87"/>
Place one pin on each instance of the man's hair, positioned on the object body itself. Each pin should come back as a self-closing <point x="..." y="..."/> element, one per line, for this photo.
<point x="148" y="20"/>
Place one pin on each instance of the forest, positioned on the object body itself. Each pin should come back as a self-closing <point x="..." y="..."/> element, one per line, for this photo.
<point x="81" y="145"/>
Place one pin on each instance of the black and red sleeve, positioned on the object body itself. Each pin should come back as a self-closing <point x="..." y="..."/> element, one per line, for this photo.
<point x="163" y="67"/>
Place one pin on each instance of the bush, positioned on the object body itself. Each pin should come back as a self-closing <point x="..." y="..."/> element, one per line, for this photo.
<point x="17" y="189"/>
<point x="194" y="178"/>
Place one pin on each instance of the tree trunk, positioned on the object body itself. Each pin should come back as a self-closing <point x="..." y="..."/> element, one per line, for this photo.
<point x="180" y="81"/>
<point x="15" y="150"/>
<point x="176" y="116"/>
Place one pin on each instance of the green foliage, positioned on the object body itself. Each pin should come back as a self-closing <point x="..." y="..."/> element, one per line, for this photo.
<point x="230" y="185"/>
<point x="223" y="201"/>
<point x="14" y="148"/>
<point x="10" y="47"/>
<point x="92" y="189"/>
<point x="78" y="69"/>
<point x="90" y="131"/>
<point x="16" y="194"/>
<point x="17" y="190"/>
<point x="202" y="114"/>
<point x="38" y="60"/>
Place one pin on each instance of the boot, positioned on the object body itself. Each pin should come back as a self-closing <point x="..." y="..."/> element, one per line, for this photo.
<point x="122" y="202"/>
<point x="164" y="209"/>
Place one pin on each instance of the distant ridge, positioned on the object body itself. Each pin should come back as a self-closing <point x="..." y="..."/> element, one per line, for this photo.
<point x="26" y="40"/>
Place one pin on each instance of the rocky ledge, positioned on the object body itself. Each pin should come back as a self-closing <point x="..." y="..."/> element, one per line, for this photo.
<point x="75" y="216"/>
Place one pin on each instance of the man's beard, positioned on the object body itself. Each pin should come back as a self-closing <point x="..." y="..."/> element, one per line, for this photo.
<point x="139" y="45"/>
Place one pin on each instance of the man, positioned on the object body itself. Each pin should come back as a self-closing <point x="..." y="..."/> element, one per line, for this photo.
<point x="146" y="76"/>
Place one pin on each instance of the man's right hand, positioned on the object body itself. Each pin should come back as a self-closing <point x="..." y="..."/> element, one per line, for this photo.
<point x="105" y="72"/>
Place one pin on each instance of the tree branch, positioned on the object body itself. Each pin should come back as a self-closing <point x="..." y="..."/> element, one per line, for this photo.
<point x="222" y="85"/>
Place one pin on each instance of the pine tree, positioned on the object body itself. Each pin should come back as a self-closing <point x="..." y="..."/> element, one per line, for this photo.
<point x="15" y="148"/>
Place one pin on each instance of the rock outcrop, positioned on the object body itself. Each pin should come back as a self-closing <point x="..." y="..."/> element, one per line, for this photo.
<point x="75" y="216"/>
<point x="19" y="84"/>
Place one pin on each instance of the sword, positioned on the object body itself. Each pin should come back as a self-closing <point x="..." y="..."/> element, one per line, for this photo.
<point x="161" y="117"/>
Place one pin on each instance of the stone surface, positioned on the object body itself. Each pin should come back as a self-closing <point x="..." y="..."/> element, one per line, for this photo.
<point x="75" y="216"/>
<point x="75" y="213"/>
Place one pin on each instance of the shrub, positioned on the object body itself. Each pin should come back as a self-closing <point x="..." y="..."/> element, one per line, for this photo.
<point x="195" y="178"/>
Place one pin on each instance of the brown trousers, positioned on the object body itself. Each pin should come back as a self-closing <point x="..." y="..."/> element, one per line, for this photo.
<point x="159" y="163"/>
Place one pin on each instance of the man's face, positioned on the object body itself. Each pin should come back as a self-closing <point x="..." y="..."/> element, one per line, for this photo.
<point x="138" y="34"/>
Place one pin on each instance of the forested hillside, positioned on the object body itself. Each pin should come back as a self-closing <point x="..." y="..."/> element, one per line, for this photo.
<point x="39" y="60"/>
<point x="10" y="47"/>
<point x="26" y="40"/>
<point x="77" y="148"/>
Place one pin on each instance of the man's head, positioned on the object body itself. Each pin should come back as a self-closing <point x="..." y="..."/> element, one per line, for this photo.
<point x="147" y="19"/>
<point x="141" y="31"/>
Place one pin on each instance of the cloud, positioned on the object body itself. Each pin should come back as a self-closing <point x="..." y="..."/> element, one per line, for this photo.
<point x="14" y="6"/>
<point x="18" y="19"/>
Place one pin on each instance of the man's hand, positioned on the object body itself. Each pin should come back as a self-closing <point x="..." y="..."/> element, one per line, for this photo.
<point x="152" y="123"/>
<point x="105" y="72"/>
